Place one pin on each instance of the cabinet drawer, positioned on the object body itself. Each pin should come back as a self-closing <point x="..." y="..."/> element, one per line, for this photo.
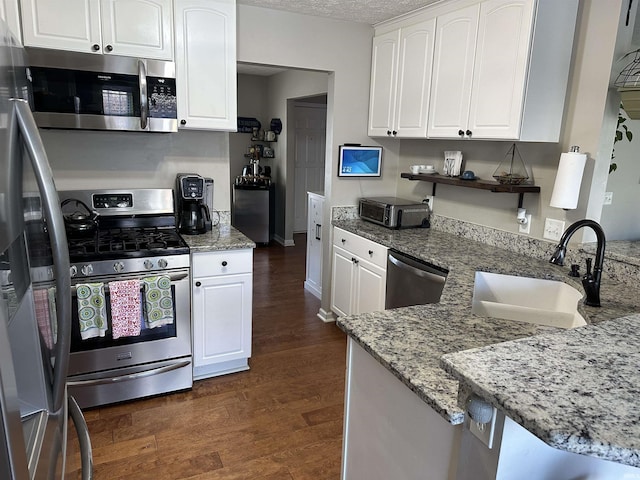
<point x="225" y="262"/>
<point x="361" y="247"/>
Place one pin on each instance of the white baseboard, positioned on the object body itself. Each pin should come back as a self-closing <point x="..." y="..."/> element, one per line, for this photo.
<point x="283" y="242"/>
<point x="326" y="316"/>
<point x="311" y="288"/>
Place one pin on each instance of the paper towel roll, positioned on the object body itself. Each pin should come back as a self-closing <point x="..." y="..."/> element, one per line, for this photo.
<point x="566" y="189"/>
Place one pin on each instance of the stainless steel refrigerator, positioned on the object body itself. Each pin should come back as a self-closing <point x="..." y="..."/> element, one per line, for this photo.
<point x="35" y="293"/>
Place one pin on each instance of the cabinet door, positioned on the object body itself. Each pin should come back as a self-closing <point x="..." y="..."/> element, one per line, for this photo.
<point x="500" y="69"/>
<point x="371" y="282"/>
<point x="137" y="28"/>
<point x="414" y="79"/>
<point x="342" y="282"/>
<point x="452" y="72"/>
<point x="205" y="33"/>
<point x="382" y="96"/>
<point x="313" y="282"/>
<point x="74" y="26"/>
<point x="222" y="318"/>
<point x="10" y="13"/>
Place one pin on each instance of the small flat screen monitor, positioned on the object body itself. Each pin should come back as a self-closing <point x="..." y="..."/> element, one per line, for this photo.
<point x="359" y="161"/>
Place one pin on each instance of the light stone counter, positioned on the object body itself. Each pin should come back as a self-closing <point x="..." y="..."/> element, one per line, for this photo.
<point x="577" y="390"/>
<point x="410" y="341"/>
<point x="221" y="237"/>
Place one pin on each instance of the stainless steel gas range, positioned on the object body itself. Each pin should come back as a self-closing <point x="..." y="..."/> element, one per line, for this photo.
<point x="116" y="236"/>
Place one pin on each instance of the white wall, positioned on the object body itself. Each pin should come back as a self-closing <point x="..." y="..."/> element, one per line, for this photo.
<point x="86" y="160"/>
<point x="344" y="50"/>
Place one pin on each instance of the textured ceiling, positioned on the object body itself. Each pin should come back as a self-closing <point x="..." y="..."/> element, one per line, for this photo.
<point x="363" y="11"/>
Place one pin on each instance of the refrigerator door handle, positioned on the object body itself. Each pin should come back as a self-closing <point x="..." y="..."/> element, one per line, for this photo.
<point x="59" y="249"/>
<point x="86" y="455"/>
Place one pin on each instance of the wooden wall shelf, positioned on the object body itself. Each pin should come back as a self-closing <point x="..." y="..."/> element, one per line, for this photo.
<point x="490" y="185"/>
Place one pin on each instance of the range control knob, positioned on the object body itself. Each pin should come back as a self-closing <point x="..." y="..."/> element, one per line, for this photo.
<point x="118" y="267"/>
<point x="148" y="264"/>
<point x="73" y="270"/>
<point x="162" y="263"/>
<point x="87" y="269"/>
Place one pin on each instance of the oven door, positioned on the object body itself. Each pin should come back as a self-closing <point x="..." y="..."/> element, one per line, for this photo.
<point x="104" y="370"/>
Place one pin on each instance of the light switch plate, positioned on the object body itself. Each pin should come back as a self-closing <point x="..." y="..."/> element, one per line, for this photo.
<point x="608" y="198"/>
<point x="553" y="229"/>
<point x="484" y="431"/>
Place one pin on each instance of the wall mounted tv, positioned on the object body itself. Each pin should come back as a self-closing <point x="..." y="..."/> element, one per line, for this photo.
<point x="359" y="161"/>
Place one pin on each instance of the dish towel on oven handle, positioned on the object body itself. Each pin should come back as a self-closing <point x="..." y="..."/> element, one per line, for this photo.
<point x="158" y="301"/>
<point x="125" y="308"/>
<point x="92" y="312"/>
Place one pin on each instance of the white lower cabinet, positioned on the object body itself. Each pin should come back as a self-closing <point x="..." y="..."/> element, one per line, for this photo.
<point x="389" y="432"/>
<point x="359" y="274"/>
<point x="221" y="294"/>
<point x="315" y="207"/>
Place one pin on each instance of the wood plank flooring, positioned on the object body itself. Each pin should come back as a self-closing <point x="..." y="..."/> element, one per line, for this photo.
<point x="280" y="420"/>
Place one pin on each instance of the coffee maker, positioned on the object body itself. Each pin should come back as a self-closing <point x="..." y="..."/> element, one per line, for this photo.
<point x="193" y="214"/>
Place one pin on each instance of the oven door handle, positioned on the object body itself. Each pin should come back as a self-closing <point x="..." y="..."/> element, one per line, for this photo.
<point x="176" y="277"/>
<point x="130" y="376"/>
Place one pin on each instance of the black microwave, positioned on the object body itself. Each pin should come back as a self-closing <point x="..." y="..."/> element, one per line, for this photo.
<point x="101" y="92"/>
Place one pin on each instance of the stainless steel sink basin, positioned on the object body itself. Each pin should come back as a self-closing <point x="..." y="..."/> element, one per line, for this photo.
<point x="525" y="299"/>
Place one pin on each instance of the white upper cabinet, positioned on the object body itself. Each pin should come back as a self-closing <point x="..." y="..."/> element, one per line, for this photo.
<point x="480" y="70"/>
<point x="498" y="69"/>
<point x="10" y="13"/>
<point x="138" y="28"/>
<point x="400" y="81"/>
<point x="205" y="32"/>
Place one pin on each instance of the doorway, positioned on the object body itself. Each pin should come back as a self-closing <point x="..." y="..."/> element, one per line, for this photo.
<point x="310" y="130"/>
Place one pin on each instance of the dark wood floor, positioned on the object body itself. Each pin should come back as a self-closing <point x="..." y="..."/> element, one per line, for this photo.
<point x="282" y="419"/>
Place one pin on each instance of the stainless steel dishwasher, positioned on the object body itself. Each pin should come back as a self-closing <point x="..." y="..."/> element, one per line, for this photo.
<point x="412" y="282"/>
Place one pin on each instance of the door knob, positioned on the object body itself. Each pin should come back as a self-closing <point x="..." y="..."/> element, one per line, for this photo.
<point x="95" y="47"/>
<point x="461" y="133"/>
<point x="109" y="48"/>
<point x="468" y="133"/>
<point x="198" y="284"/>
<point x="183" y="122"/>
<point x="224" y="263"/>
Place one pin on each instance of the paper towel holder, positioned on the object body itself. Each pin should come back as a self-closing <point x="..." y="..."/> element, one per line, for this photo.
<point x="566" y="188"/>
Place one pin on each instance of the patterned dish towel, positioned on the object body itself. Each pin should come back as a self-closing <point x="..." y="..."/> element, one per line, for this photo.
<point x="92" y="313"/>
<point x="125" y="308"/>
<point x="158" y="301"/>
<point x="41" y="300"/>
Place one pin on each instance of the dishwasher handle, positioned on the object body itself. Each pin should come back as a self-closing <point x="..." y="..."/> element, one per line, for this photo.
<point x="424" y="272"/>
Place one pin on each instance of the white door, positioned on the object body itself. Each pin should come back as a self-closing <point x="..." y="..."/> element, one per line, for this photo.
<point x="382" y="96"/>
<point x="74" y="26"/>
<point x="310" y="139"/>
<point x="222" y="319"/>
<point x="452" y="72"/>
<point x="342" y="282"/>
<point x="371" y="281"/>
<point x="138" y="28"/>
<point x="206" y="83"/>
<point x="10" y="13"/>
<point x="500" y="68"/>
<point x="414" y="79"/>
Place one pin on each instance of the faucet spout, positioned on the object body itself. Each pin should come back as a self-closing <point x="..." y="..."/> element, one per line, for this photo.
<point x="591" y="280"/>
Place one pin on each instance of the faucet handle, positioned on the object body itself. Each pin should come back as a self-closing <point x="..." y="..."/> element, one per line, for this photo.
<point x="588" y="260"/>
<point x="575" y="270"/>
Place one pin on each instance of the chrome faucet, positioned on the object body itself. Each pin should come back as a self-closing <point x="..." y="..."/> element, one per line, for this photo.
<point x="590" y="281"/>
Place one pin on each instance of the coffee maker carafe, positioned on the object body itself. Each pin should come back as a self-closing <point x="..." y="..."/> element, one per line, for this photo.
<point x="193" y="213"/>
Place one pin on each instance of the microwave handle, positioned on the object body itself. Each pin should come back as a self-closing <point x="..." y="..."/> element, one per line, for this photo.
<point x="144" y="99"/>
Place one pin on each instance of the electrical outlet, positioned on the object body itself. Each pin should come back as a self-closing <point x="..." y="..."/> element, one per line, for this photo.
<point x="526" y="227"/>
<point x="608" y="198"/>
<point x="553" y="229"/>
<point x="484" y="431"/>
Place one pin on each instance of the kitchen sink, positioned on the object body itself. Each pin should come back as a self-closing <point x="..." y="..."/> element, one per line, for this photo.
<point x="526" y="299"/>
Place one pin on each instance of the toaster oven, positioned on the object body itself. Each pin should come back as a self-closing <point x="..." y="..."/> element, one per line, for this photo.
<point x="394" y="212"/>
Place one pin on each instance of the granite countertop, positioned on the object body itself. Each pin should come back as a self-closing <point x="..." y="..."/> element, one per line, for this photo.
<point x="221" y="237"/>
<point x="625" y="251"/>
<point x="410" y="341"/>
<point x="581" y="391"/>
